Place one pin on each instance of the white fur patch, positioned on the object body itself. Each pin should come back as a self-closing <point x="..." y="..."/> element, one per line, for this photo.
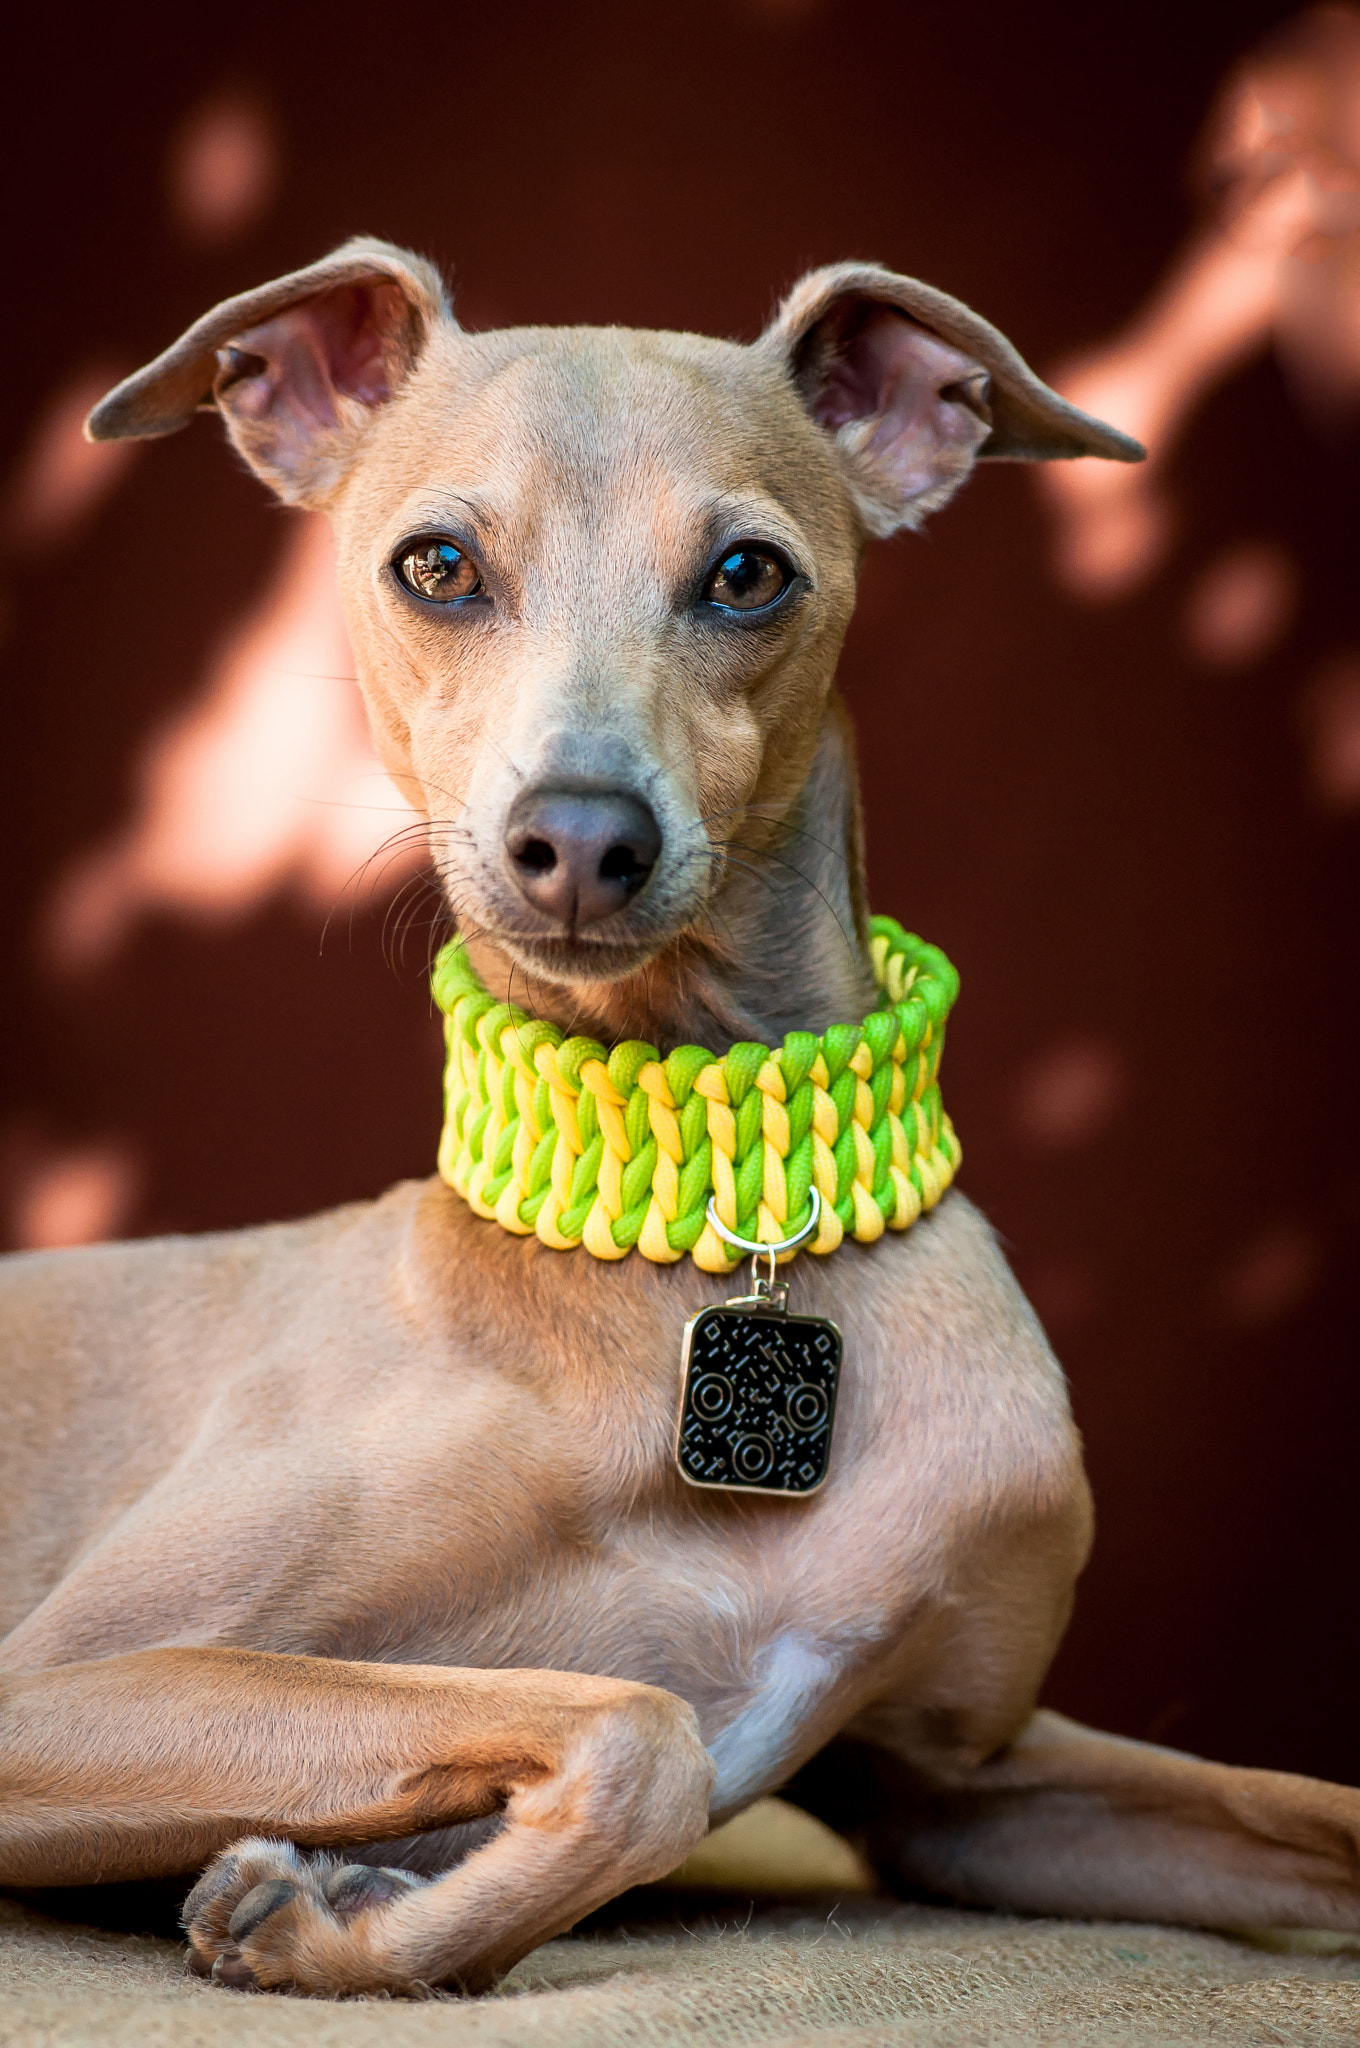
<point x="749" y="1751"/>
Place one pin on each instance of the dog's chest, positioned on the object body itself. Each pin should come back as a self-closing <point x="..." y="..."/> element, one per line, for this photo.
<point x="554" y="1527"/>
<point x="771" y="1615"/>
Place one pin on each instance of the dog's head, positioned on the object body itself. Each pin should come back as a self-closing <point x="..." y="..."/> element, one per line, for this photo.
<point x="597" y="579"/>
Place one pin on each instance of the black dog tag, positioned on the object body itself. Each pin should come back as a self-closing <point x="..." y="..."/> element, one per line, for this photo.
<point x="759" y="1399"/>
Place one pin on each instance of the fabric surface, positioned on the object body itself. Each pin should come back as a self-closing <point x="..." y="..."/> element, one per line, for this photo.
<point x="818" y="1972"/>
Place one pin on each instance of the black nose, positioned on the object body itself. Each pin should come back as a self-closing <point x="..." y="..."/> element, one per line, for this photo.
<point x="579" y="856"/>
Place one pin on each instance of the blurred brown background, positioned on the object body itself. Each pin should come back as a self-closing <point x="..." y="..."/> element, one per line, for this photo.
<point x="1110" y="723"/>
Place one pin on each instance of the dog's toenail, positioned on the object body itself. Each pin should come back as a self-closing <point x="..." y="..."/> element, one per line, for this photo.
<point x="257" y="1906"/>
<point x="234" y="1971"/>
<point x="358" y="1887"/>
<point x="210" y="1886"/>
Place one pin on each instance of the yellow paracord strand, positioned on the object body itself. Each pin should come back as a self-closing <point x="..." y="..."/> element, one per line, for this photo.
<point x="580" y="1145"/>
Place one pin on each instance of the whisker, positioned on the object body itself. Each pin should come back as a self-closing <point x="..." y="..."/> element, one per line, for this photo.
<point x="765" y="853"/>
<point x="784" y="824"/>
<point x="402" y="915"/>
<point x="392" y="915"/>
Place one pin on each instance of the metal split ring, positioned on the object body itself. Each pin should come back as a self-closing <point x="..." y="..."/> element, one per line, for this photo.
<point x="763" y="1288"/>
<point x="783" y="1244"/>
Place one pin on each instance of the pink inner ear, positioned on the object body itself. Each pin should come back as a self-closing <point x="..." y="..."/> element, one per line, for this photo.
<point x="329" y="345"/>
<point x="352" y="325"/>
<point x="855" y="385"/>
<point x="923" y="399"/>
<point x="283" y="378"/>
<point x="886" y="364"/>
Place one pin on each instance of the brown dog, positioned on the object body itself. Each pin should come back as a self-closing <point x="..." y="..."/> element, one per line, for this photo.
<point x="355" y="1531"/>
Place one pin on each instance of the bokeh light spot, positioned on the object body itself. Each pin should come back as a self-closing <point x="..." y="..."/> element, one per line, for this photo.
<point x="1276" y="256"/>
<point x="224" y="167"/>
<point x="1240" y="605"/>
<point x="1331" y="721"/>
<point x="267" y="780"/>
<point x="81" y="1196"/>
<point x="1069" y="1094"/>
<point x="60" y="478"/>
<point x="1271" y="1276"/>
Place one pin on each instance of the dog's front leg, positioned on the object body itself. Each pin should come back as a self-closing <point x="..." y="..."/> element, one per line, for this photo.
<point x="623" y="1799"/>
<point x="148" y="1764"/>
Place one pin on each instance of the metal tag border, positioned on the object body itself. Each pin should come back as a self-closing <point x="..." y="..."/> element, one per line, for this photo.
<point x="724" y="1485"/>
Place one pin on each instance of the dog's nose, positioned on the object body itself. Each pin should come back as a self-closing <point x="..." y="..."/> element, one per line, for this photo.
<point x="580" y="856"/>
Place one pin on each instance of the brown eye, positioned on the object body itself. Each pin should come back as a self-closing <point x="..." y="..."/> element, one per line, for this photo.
<point x="748" y="580"/>
<point x="439" y="570"/>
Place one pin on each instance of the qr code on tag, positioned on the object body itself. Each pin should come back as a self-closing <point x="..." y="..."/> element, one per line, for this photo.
<point x="759" y="1400"/>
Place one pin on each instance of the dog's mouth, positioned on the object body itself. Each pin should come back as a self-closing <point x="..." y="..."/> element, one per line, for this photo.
<point x="574" y="960"/>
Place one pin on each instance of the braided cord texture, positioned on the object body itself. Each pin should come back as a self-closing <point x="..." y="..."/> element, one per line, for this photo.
<point x="561" y="1138"/>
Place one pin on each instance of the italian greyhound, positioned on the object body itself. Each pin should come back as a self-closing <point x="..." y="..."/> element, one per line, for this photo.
<point x="346" y="1561"/>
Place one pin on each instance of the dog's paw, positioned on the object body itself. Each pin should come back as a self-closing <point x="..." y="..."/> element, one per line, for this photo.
<point x="263" y="1918"/>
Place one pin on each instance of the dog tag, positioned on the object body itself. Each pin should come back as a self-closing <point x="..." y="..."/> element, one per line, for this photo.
<point x="759" y="1397"/>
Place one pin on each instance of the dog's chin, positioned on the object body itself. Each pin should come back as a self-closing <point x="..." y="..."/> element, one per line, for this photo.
<point x="580" y="962"/>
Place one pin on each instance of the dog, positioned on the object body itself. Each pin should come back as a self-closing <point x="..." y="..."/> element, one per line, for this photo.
<point x="346" y="1561"/>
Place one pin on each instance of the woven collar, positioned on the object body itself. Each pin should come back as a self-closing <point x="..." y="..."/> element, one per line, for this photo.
<point x="561" y="1138"/>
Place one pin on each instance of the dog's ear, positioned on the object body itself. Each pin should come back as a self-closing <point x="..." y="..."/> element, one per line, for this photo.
<point x="913" y="388"/>
<point x="296" y="368"/>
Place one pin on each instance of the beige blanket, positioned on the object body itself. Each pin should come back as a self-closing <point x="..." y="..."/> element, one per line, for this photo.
<point x="834" y="1969"/>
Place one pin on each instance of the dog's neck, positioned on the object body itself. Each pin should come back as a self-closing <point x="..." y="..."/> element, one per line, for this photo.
<point x="783" y="947"/>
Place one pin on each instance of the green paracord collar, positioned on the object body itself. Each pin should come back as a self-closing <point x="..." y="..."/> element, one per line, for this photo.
<point x="579" y="1145"/>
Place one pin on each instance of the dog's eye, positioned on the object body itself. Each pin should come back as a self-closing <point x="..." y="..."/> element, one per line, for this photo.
<point x="748" y="580"/>
<point x="438" y="570"/>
